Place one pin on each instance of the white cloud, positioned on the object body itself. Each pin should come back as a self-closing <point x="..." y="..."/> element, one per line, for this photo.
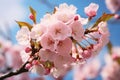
<point x="11" y="10"/>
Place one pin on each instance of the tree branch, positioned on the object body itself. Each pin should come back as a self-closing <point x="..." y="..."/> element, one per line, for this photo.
<point x="12" y="73"/>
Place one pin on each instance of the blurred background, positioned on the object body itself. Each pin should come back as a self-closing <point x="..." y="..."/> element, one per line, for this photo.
<point x="12" y="10"/>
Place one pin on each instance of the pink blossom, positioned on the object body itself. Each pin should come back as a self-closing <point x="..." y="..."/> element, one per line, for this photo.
<point x="46" y="55"/>
<point x="77" y="30"/>
<point x="47" y="42"/>
<point x="91" y="10"/>
<point x="64" y="47"/>
<point x="65" y="13"/>
<point x="38" y="69"/>
<point x="23" y="36"/>
<point x="48" y="19"/>
<point x="83" y="21"/>
<point x="37" y="31"/>
<point x="61" y="61"/>
<point x="59" y="31"/>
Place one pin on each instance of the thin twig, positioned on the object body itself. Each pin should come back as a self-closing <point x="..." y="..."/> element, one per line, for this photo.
<point x="12" y="73"/>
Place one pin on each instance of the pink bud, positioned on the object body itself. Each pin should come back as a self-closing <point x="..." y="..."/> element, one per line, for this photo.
<point x="91" y="10"/>
<point x="31" y="17"/>
<point x="28" y="66"/>
<point x="117" y="16"/>
<point x="27" y="50"/>
<point x="115" y="57"/>
<point x="86" y="54"/>
<point x="76" y="18"/>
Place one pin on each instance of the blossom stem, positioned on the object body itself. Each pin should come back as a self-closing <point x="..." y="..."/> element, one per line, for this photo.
<point x="12" y="73"/>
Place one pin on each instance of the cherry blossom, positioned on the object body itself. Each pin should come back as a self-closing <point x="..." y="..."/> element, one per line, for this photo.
<point x="23" y="36"/>
<point x="89" y="70"/>
<point x="48" y="19"/>
<point x="65" y="13"/>
<point x="38" y="69"/>
<point x="77" y="30"/>
<point x="111" y="71"/>
<point x="59" y="31"/>
<point x="64" y="47"/>
<point x="37" y="31"/>
<point x="91" y="10"/>
<point x="47" y="42"/>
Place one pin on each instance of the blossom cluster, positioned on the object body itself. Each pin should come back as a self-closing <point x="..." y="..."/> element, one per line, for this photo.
<point x="60" y="39"/>
<point x="86" y="71"/>
<point x="109" y="71"/>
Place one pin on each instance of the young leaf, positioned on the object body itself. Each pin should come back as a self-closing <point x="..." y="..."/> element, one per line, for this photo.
<point x="104" y="17"/>
<point x="33" y="12"/>
<point x="24" y="24"/>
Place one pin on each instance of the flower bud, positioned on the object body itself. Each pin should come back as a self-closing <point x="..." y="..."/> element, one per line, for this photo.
<point x="27" y="50"/>
<point x="31" y="17"/>
<point x="28" y="66"/>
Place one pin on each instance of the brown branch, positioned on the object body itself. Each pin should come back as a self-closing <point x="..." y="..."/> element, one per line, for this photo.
<point x="13" y="73"/>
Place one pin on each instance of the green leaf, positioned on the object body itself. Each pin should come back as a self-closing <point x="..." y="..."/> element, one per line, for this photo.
<point x="33" y="12"/>
<point x="24" y="24"/>
<point x="104" y="17"/>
